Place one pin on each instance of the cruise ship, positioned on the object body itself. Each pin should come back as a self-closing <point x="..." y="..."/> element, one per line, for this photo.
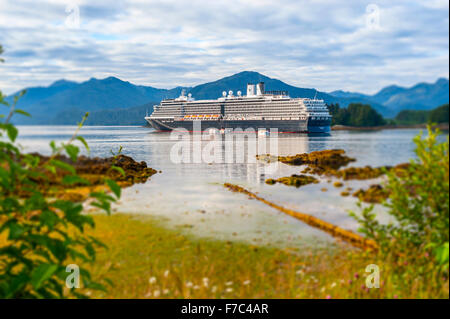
<point x="259" y="109"/>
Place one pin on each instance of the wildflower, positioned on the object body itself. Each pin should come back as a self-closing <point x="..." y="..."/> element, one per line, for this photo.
<point x="229" y="283"/>
<point x="350" y="281"/>
<point x="205" y="282"/>
<point x="213" y="289"/>
<point x="196" y="287"/>
<point x="246" y="282"/>
<point x="152" y="280"/>
<point x="189" y="284"/>
<point x="328" y="297"/>
<point x="333" y="285"/>
<point x="166" y="273"/>
<point x="356" y="275"/>
<point x="300" y="272"/>
<point x="156" y="293"/>
<point x="166" y="291"/>
<point x="229" y="290"/>
<point x="395" y="297"/>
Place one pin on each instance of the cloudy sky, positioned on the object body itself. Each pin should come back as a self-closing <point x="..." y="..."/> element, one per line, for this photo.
<point x="351" y="45"/>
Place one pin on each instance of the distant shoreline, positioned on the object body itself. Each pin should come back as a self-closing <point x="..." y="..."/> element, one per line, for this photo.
<point x="442" y="127"/>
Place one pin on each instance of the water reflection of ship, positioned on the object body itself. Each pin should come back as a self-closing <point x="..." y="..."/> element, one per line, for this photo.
<point x="228" y="166"/>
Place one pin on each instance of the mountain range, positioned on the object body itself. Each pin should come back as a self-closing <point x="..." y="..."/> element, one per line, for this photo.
<point x="422" y="96"/>
<point x="112" y="101"/>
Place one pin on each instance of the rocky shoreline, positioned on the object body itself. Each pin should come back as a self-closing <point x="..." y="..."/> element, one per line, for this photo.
<point x="94" y="171"/>
<point x="329" y="163"/>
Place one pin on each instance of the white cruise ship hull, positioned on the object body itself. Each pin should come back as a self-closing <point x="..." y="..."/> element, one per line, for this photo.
<point x="283" y="126"/>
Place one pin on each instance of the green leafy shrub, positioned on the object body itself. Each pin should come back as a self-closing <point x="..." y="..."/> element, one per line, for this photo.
<point x="43" y="235"/>
<point x="418" y="205"/>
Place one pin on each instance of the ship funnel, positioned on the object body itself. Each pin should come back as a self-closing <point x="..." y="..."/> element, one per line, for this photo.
<point x="251" y="89"/>
<point x="260" y="88"/>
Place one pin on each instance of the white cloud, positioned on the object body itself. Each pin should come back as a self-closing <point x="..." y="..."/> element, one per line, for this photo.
<point x="322" y="44"/>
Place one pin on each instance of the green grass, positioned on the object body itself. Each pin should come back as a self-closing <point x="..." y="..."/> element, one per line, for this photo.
<point x="147" y="260"/>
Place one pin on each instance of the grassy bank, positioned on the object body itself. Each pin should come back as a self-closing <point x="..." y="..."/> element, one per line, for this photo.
<point x="146" y="260"/>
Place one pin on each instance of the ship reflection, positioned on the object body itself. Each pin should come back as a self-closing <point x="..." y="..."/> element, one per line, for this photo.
<point x="225" y="157"/>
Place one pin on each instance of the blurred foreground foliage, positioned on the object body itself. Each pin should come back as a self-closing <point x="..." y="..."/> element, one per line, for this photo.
<point x="43" y="235"/>
<point x="416" y="238"/>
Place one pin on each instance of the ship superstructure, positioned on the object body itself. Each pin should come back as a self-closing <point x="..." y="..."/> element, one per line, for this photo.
<point x="258" y="109"/>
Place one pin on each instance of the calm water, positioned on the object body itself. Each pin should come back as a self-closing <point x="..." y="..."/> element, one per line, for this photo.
<point x="191" y="197"/>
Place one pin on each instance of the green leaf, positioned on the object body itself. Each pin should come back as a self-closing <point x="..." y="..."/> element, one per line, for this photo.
<point x="83" y="141"/>
<point x="119" y="169"/>
<point x="12" y="132"/>
<point x="15" y="230"/>
<point x="53" y="146"/>
<point x="114" y="187"/>
<point x="18" y="96"/>
<point x="62" y="165"/>
<point x="442" y="253"/>
<point x="74" y="179"/>
<point x="49" y="218"/>
<point x="18" y="111"/>
<point x="42" y="273"/>
<point x="72" y="151"/>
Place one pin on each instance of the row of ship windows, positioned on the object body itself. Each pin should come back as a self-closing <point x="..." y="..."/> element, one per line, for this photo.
<point x="242" y="107"/>
<point x="227" y="105"/>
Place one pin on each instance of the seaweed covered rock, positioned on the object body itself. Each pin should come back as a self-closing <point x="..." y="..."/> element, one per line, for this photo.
<point x="329" y="158"/>
<point x="294" y="180"/>
<point x="338" y="184"/>
<point x="93" y="172"/>
<point x="374" y="194"/>
<point x="367" y="172"/>
<point x="354" y="173"/>
<point x="360" y="173"/>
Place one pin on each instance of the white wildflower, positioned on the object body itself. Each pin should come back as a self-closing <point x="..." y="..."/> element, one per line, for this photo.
<point x="166" y="273"/>
<point x="247" y="282"/>
<point x="156" y="293"/>
<point x="152" y="280"/>
<point x="189" y="284"/>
